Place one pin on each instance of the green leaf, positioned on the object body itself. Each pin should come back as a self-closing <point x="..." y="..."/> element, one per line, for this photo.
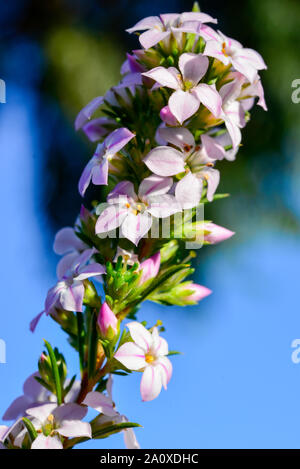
<point x="173" y="352"/>
<point x="55" y="372"/>
<point x="115" y="428"/>
<point x="43" y="383"/>
<point x="30" y="428"/>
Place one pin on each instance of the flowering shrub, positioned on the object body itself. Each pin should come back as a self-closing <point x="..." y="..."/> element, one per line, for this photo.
<point x="179" y="108"/>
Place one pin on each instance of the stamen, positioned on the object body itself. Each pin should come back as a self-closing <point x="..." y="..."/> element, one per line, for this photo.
<point x="149" y="358"/>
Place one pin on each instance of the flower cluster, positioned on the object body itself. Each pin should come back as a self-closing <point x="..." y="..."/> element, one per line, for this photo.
<point x="178" y="110"/>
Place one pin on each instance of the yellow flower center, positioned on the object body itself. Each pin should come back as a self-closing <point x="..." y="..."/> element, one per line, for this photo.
<point x="224" y="49"/>
<point x="149" y="358"/>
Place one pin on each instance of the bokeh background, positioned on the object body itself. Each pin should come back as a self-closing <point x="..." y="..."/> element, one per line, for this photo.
<point x="235" y="386"/>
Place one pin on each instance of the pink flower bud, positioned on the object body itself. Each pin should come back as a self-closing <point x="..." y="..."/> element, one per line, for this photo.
<point x="167" y="116"/>
<point x="199" y="292"/>
<point x="217" y="233"/>
<point x="150" y="267"/>
<point x="107" y="322"/>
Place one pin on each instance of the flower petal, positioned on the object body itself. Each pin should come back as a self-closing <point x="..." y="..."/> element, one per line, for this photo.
<point x="197" y="16"/>
<point x="234" y="132"/>
<point x="193" y="67"/>
<point x="117" y="140"/>
<point x="150" y="267"/>
<point x="141" y="336"/>
<point x="90" y="270"/>
<point x="160" y="345"/>
<point x="212" y="149"/>
<point x="152" y="37"/>
<point x="86" y="177"/>
<point x="183" y="105"/>
<point x="163" y="206"/>
<point x="188" y="191"/>
<point x="95" y="129"/>
<point x="178" y="136"/>
<point x="166" y="370"/>
<point x="164" y="77"/>
<point x="86" y="113"/>
<point x="131" y="356"/>
<point x="151" y="383"/>
<point x="71" y="298"/>
<point x="101" y="403"/>
<point x="75" y="428"/>
<point x="216" y="233"/>
<point x="17" y="408"/>
<point x="212" y="177"/>
<point x="155" y="185"/>
<point x="124" y="188"/>
<point x="111" y="218"/>
<point x="69" y="411"/>
<point x="146" y="23"/>
<point x="164" y="161"/>
<point x="209" y="97"/>
<point x="134" y="227"/>
<point x="41" y="412"/>
<point x="100" y="173"/>
<point x="66" y="241"/>
<point x="47" y="442"/>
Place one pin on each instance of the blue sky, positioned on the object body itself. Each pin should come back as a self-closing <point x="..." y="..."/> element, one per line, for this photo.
<point x="235" y="385"/>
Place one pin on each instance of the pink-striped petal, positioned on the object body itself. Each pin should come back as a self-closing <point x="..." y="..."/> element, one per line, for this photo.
<point x="111" y="218"/>
<point x="164" y="77"/>
<point x="155" y="185"/>
<point x="100" y="402"/>
<point x="193" y="67"/>
<point x="131" y="356"/>
<point x="86" y="113"/>
<point x="71" y="298"/>
<point x="166" y="370"/>
<point x="209" y="97"/>
<point x="188" y="191"/>
<point x="151" y="383"/>
<point x="135" y="226"/>
<point x="164" y="161"/>
<point x="178" y="136"/>
<point x="183" y="105"/>
<point x="141" y="336"/>
<point x="47" y="442"/>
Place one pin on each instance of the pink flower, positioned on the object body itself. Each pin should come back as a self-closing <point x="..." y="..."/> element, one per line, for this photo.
<point x="133" y="213"/>
<point x="160" y="28"/>
<point x="97" y="168"/>
<point x="229" y="51"/>
<point x="150" y="268"/>
<point x="86" y="113"/>
<point x="199" y="292"/>
<point x="148" y="353"/>
<point x="107" y="322"/>
<point x="68" y="244"/>
<point x="68" y="293"/>
<point x="196" y="161"/>
<point x="104" y="405"/>
<point x="217" y="233"/>
<point x="54" y="422"/>
<point x="189" y="94"/>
